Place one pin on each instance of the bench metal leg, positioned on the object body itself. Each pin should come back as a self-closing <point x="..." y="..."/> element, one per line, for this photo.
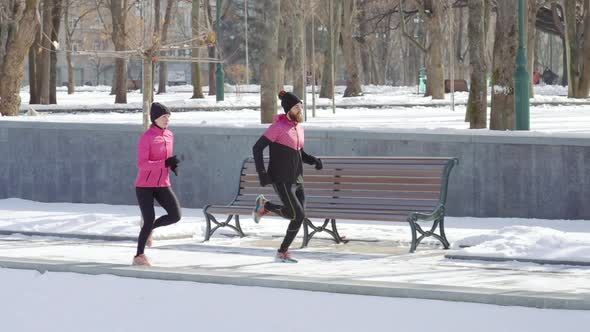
<point x="333" y="232"/>
<point x="211" y="219"/>
<point x="437" y="218"/>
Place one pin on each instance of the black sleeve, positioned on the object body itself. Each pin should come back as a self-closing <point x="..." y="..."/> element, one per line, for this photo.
<point x="260" y="145"/>
<point x="310" y="160"/>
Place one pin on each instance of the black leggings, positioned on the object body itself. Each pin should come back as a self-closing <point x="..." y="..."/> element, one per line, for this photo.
<point x="145" y="197"/>
<point x="293" y="208"/>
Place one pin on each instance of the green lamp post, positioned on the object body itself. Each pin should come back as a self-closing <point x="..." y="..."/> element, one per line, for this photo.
<point x="521" y="77"/>
<point x="219" y="71"/>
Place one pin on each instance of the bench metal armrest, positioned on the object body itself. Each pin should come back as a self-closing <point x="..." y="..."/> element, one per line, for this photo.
<point x="436" y="214"/>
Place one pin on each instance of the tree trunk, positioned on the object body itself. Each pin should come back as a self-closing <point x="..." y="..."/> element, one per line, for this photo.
<point x="17" y="45"/>
<point x="477" y="103"/>
<point x="585" y="52"/>
<point x="119" y="17"/>
<point x="365" y="57"/>
<point x="195" y="66"/>
<point x="298" y="49"/>
<point x="435" y="69"/>
<point x="505" y="44"/>
<point x="268" y="11"/>
<point x="578" y="49"/>
<point x="211" y="54"/>
<point x="353" y="82"/>
<point x="148" y="90"/>
<point x="530" y="33"/>
<point x="163" y="70"/>
<point x="565" y="76"/>
<point x="33" y="92"/>
<point x="44" y="56"/>
<point x="56" y="20"/>
<point x="70" y="63"/>
<point x="163" y="66"/>
<point x="328" y="84"/>
<point x="212" y="90"/>
<point x="284" y="31"/>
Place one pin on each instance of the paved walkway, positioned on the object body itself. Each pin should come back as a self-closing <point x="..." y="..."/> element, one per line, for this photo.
<point x="348" y="269"/>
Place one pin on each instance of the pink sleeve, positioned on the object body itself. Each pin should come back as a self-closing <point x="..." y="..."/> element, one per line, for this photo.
<point x="143" y="155"/>
<point x="272" y="133"/>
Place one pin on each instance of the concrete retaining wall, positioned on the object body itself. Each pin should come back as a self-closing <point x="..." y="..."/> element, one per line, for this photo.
<point x="501" y="175"/>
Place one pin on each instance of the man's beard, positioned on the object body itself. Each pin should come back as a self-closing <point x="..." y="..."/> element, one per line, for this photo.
<point x="297" y="118"/>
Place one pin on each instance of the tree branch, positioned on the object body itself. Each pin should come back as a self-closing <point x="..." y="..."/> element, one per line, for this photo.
<point x="404" y="32"/>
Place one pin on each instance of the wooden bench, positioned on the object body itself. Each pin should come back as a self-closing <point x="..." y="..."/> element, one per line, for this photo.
<point x="406" y="189"/>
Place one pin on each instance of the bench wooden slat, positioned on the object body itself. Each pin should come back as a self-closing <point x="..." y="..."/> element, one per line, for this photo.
<point x="371" y="167"/>
<point x="348" y="200"/>
<point x="335" y="204"/>
<point x="368" y="186"/>
<point x="310" y="192"/>
<point x="359" y="172"/>
<point x="353" y="179"/>
<point x="385" y="161"/>
<point x="399" y="215"/>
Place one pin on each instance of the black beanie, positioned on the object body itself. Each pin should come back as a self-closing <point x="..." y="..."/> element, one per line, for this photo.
<point x="288" y="100"/>
<point x="157" y="110"/>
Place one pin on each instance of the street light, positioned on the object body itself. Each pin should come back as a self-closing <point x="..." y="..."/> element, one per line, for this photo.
<point x="219" y="71"/>
<point x="521" y="77"/>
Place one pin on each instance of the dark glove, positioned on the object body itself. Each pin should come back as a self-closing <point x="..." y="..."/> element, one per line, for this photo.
<point x="174" y="169"/>
<point x="172" y="161"/>
<point x="318" y="164"/>
<point x="264" y="178"/>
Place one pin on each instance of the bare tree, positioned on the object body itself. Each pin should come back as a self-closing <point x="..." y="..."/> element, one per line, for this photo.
<point x="56" y="12"/>
<point x="298" y="48"/>
<point x="505" y="44"/>
<point x="196" y="67"/>
<point x="211" y="49"/>
<point x="21" y="20"/>
<point x="285" y="30"/>
<point x="433" y="13"/>
<point x="44" y="54"/>
<point x="268" y="12"/>
<point x="334" y="10"/>
<point x="477" y="103"/>
<point x="577" y="26"/>
<point x="119" y="18"/>
<point x="99" y="67"/>
<point x="33" y="50"/>
<point x="163" y="70"/>
<point x="353" y="82"/>
<point x="364" y="51"/>
<point x="70" y="29"/>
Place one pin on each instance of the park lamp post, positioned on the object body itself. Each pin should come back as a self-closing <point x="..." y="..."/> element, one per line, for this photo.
<point x="521" y="77"/>
<point x="219" y="71"/>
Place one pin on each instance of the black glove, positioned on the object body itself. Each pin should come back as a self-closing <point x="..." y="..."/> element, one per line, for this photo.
<point x="172" y="161"/>
<point x="264" y="178"/>
<point x="174" y="169"/>
<point x="318" y="164"/>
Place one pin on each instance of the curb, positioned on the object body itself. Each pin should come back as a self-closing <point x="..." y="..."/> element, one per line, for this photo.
<point x="543" y="300"/>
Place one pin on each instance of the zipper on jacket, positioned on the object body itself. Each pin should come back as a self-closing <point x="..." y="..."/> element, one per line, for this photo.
<point x="146" y="179"/>
<point x="166" y="154"/>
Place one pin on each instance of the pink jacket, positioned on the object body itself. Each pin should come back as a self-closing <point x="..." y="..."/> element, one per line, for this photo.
<point x="285" y="132"/>
<point x="153" y="148"/>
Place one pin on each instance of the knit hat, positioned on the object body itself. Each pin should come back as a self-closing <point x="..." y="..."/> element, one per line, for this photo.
<point x="157" y="110"/>
<point x="288" y="100"/>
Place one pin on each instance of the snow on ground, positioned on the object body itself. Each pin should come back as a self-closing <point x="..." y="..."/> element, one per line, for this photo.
<point x="66" y="302"/>
<point x="493" y="237"/>
<point x="423" y="115"/>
